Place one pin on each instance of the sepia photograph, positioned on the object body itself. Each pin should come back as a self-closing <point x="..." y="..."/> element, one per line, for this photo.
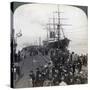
<point x="49" y="44"/>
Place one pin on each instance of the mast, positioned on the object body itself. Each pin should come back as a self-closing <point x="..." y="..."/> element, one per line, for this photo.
<point x="58" y="25"/>
<point x="54" y="25"/>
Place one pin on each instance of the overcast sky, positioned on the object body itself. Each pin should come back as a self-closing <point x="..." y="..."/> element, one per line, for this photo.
<point x="32" y="18"/>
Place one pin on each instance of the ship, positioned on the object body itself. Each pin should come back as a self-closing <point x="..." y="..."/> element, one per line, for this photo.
<point x="55" y="33"/>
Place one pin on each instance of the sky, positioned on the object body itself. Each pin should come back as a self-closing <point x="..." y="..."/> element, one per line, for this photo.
<point x="31" y="19"/>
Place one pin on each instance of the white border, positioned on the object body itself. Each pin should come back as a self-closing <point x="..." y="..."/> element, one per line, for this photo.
<point x="5" y="43"/>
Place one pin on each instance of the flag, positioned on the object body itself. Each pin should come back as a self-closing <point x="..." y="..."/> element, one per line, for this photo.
<point x="19" y="34"/>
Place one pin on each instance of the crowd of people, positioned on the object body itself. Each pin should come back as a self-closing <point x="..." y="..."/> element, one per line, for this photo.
<point x="63" y="67"/>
